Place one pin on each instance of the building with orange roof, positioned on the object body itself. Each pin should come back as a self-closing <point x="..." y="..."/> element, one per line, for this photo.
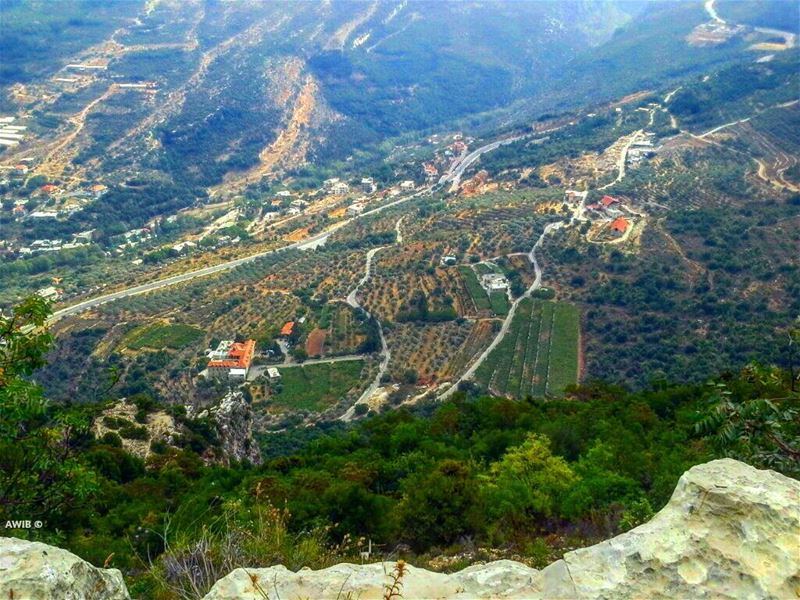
<point x="607" y="201"/>
<point x="620" y="225"/>
<point x="231" y="360"/>
<point x="287" y="329"/>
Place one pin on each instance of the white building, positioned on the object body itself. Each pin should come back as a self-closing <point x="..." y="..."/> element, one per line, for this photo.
<point x="355" y="209"/>
<point x="273" y="374"/>
<point x="339" y="189"/>
<point x="49" y="293"/>
<point x="407" y="185"/>
<point x="494" y="282"/>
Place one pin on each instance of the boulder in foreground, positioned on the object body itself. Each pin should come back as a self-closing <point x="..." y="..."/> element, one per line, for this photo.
<point x="31" y="570"/>
<point x="729" y="532"/>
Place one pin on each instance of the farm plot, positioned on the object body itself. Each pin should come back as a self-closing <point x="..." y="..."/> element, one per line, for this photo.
<point x="476" y="291"/>
<point x="162" y="335"/>
<point x="316" y="387"/>
<point x="539" y="354"/>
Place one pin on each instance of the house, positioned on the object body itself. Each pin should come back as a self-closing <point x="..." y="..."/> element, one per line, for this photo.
<point x="339" y="189"/>
<point x="574" y="196"/>
<point x="273" y="374"/>
<point x="620" y="225"/>
<point x="298" y="203"/>
<point x="183" y="246"/>
<point x="448" y="259"/>
<point x="355" y="209"/>
<point x="430" y="170"/>
<point x="284" y="194"/>
<point x="49" y="188"/>
<point x="368" y="185"/>
<point x="407" y="185"/>
<point x="43" y="214"/>
<point x="231" y="360"/>
<point x="607" y="201"/>
<point x="293" y="211"/>
<point x="98" y="189"/>
<point x="84" y="236"/>
<point x="494" y="282"/>
<point x="287" y="329"/>
<point x="50" y="293"/>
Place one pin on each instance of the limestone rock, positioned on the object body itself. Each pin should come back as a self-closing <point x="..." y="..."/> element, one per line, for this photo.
<point x="234" y="419"/>
<point x="31" y="570"/>
<point x="729" y="531"/>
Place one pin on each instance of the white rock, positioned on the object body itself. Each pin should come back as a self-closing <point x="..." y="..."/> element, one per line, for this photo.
<point x="729" y="531"/>
<point x="35" y="571"/>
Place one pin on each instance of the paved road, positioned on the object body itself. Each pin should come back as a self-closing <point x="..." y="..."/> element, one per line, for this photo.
<point x="453" y="176"/>
<point x="306" y="244"/>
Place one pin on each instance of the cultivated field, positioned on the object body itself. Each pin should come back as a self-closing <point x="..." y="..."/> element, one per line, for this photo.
<point x="316" y="387"/>
<point x="539" y="354"/>
<point x="162" y="335"/>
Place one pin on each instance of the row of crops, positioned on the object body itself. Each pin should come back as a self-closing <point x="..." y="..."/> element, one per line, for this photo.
<point x="538" y="355"/>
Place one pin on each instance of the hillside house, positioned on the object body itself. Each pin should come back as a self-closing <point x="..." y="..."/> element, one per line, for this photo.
<point x="340" y="188"/>
<point x="448" y="260"/>
<point x="355" y="209"/>
<point x="407" y="185"/>
<point x="50" y="293"/>
<point x="494" y="282"/>
<point x="287" y="329"/>
<point x="368" y="185"/>
<point x="620" y="225"/>
<point x="608" y="201"/>
<point x="231" y="360"/>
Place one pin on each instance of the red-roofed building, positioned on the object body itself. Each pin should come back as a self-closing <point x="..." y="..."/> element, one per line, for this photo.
<point x="231" y="360"/>
<point x="620" y="225"/>
<point x="607" y="201"/>
<point x="287" y="329"/>
<point x="49" y="188"/>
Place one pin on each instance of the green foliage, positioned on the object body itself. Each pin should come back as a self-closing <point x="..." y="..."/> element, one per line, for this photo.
<point x="41" y="476"/>
<point x="762" y="430"/>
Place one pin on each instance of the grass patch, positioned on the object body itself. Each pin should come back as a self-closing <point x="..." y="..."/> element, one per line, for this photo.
<point x="161" y="335"/>
<point x="474" y="288"/>
<point x="316" y="387"/>
<point x="499" y="303"/>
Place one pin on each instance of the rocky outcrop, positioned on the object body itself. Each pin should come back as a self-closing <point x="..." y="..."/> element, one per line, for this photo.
<point x="234" y="419"/>
<point x="729" y="531"/>
<point x="30" y="570"/>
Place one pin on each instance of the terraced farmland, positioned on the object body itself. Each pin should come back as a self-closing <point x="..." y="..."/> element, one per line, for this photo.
<point x="539" y="354"/>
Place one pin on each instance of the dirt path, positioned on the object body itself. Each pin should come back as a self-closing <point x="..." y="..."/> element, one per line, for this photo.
<point x="291" y="144"/>
<point x="57" y="157"/>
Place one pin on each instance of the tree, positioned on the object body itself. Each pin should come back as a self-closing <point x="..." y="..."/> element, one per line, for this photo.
<point x="757" y="422"/>
<point x="441" y="505"/>
<point x="40" y="476"/>
<point x="527" y="483"/>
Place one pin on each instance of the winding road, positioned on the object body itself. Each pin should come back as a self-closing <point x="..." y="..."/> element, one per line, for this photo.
<point x="537" y="283"/>
<point x="308" y="243"/>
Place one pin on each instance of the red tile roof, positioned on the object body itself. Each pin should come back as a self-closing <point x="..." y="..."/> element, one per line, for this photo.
<point x="620" y="224"/>
<point x="240" y="356"/>
<point x="608" y="201"/>
<point x="288" y="328"/>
